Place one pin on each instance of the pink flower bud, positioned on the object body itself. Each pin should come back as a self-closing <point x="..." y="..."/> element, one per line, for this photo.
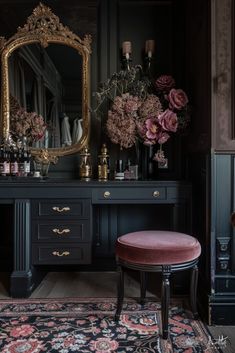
<point x="177" y="99"/>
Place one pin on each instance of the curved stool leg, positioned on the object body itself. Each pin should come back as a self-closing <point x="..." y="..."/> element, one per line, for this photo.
<point x="166" y="272"/>
<point x="120" y="292"/>
<point x="193" y="290"/>
<point x="142" y="287"/>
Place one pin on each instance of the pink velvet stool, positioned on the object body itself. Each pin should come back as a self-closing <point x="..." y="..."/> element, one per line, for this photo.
<point x="158" y="251"/>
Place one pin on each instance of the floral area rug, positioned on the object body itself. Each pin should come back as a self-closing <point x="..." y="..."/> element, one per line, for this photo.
<point x="84" y="326"/>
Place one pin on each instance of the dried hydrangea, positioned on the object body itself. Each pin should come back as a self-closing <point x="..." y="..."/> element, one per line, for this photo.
<point x="151" y="107"/>
<point x="121" y="129"/>
<point x="26" y="124"/>
<point x="121" y="122"/>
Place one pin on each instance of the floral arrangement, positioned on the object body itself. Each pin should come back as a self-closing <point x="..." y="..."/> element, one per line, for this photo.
<point x="26" y="124"/>
<point x="142" y="109"/>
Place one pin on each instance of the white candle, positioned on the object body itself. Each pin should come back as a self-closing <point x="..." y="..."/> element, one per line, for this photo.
<point x="126" y="48"/>
<point x="149" y="47"/>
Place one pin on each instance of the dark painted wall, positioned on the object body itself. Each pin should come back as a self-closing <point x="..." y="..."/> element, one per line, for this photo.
<point x="198" y="143"/>
<point x="110" y="23"/>
<point x="137" y="21"/>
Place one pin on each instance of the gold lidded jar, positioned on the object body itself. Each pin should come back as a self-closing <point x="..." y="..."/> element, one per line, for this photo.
<point x="103" y="163"/>
<point x="85" y="168"/>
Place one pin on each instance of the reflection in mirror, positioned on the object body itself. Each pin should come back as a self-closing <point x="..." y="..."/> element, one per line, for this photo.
<point x="49" y="64"/>
<point x="45" y="87"/>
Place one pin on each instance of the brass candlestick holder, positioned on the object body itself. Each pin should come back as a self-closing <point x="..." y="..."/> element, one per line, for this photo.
<point x="126" y="61"/>
<point x="126" y="55"/>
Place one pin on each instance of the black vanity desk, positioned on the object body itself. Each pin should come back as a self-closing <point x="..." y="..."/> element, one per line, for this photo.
<point x="72" y="222"/>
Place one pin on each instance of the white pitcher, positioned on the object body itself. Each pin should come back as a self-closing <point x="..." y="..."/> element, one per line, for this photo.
<point x="77" y="130"/>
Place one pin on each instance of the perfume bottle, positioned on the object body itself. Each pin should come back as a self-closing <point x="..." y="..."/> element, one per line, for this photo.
<point x="85" y="168"/>
<point x="119" y="172"/>
<point x="103" y="163"/>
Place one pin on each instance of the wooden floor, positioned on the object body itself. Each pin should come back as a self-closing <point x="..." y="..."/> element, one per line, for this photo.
<point x="100" y="284"/>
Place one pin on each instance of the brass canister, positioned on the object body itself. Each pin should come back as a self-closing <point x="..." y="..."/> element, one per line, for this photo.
<point x="85" y="168"/>
<point x="103" y="164"/>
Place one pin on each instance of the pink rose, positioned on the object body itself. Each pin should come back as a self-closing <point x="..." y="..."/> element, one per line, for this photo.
<point x="151" y="132"/>
<point x="165" y="83"/>
<point x="148" y="131"/>
<point x="152" y="128"/>
<point x="163" y="137"/>
<point x="168" y="120"/>
<point x="177" y="99"/>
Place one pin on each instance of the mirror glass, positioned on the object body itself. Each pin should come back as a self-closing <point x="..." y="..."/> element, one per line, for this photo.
<point x="45" y="90"/>
<point x="45" y="87"/>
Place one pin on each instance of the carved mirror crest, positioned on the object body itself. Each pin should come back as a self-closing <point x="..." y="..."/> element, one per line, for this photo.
<point x="45" y="86"/>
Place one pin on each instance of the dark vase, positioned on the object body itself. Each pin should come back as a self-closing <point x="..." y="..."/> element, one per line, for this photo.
<point x="146" y="163"/>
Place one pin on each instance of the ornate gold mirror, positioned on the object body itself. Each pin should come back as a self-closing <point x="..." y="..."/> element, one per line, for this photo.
<point x="45" y="86"/>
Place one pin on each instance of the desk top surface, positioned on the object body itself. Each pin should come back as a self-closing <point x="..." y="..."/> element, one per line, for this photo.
<point x="55" y="182"/>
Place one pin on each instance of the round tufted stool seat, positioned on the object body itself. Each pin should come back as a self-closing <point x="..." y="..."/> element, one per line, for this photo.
<point x="158" y="251"/>
<point x="157" y="247"/>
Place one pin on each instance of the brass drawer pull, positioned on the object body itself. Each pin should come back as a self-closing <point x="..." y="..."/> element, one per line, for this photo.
<point x="107" y="194"/>
<point x="60" y="232"/>
<point x="64" y="253"/>
<point x="58" y="209"/>
<point x="156" y="193"/>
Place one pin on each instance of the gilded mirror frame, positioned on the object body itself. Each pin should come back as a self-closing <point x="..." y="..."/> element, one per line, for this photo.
<point x="44" y="27"/>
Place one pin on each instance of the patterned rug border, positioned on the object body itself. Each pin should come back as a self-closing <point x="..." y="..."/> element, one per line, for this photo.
<point x="69" y="310"/>
<point x="101" y="307"/>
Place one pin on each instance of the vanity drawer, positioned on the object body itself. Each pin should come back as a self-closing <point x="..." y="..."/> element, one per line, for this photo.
<point x="148" y="194"/>
<point x="61" y="208"/>
<point x="46" y="230"/>
<point x="44" y="254"/>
